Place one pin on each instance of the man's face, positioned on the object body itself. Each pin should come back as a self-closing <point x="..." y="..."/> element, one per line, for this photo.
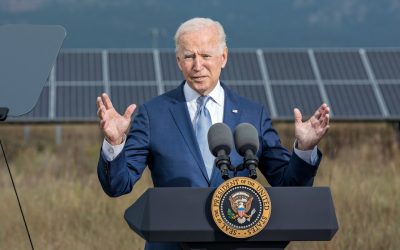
<point x="200" y="59"/>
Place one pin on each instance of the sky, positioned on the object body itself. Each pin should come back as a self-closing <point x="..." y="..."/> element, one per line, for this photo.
<point x="248" y="24"/>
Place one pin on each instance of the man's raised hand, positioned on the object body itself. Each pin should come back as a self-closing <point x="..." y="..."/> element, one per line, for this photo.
<point x="310" y="132"/>
<point x="113" y="125"/>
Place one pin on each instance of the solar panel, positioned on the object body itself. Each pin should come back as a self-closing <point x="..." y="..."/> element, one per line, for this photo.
<point x="131" y="66"/>
<point x="123" y="96"/>
<point x="385" y="64"/>
<point x="77" y="102"/>
<point x="284" y="65"/>
<point x="307" y="98"/>
<point x="391" y="95"/>
<point x="340" y="65"/>
<point x="78" y="80"/>
<point x="353" y="101"/>
<point x="79" y="66"/>
<point x="169" y="68"/>
<point x="242" y="66"/>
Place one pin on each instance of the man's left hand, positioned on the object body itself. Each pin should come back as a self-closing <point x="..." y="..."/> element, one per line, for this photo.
<point x="310" y="132"/>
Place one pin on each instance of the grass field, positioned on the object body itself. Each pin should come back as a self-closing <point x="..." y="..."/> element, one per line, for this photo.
<point x="66" y="208"/>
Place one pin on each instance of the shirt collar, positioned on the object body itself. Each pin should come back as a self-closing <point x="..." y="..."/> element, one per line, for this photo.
<point x="217" y="94"/>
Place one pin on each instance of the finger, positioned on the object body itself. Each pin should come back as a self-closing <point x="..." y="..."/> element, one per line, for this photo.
<point x="324" y="109"/>
<point x="324" y="106"/>
<point x="322" y="117"/>
<point x="129" y="111"/>
<point x="99" y="102"/>
<point x="321" y="111"/>
<point x="101" y="112"/>
<point x="325" y="121"/>
<point x="107" y="101"/>
<point x="297" y="116"/>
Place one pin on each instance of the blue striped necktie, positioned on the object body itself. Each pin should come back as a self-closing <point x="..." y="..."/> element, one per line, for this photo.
<point x="202" y="124"/>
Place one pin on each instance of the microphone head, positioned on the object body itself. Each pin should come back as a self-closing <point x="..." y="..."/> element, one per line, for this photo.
<point x="246" y="138"/>
<point x="220" y="138"/>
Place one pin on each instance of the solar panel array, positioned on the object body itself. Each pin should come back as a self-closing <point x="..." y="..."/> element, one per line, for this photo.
<point x="358" y="84"/>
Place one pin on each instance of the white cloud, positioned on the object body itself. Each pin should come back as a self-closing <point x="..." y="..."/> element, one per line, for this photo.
<point x="335" y="13"/>
<point x="302" y="3"/>
<point x="395" y="5"/>
<point x="15" y="6"/>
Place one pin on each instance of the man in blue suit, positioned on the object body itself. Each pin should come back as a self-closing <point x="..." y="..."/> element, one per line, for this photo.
<point x="163" y="133"/>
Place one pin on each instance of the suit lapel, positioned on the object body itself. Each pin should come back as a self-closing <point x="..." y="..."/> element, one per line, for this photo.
<point x="180" y="114"/>
<point x="232" y="111"/>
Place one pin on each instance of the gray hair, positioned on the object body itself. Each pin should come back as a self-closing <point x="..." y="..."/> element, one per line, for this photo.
<point x="199" y="23"/>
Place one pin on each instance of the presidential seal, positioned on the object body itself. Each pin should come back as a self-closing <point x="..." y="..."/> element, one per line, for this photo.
<point x="241" y="207"/>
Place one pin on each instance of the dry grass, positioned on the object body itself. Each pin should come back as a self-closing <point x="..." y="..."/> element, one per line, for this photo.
<point x="66" y="209"/>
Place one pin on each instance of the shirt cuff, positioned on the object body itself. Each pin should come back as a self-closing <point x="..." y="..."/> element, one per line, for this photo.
<point x="111" y="152"/>
<point x="309" y="156"/>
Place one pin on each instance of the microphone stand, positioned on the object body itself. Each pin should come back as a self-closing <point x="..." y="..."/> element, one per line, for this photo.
<point x="251" y="163"/>
<point x="223" y="162"/>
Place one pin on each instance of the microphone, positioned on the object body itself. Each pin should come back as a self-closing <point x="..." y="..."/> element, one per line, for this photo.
<point x="220" y="142"/>
<point x="247" y="144"/>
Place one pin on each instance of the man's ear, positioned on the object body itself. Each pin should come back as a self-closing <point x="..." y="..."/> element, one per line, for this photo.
<point x="178" y="62"/>
<point x="224" y="57"/>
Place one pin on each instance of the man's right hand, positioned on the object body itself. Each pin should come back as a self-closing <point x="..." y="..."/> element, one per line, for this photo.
<point x="113" y="125"/>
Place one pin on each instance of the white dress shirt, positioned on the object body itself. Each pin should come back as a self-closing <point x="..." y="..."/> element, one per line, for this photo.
<point x="216" y="108"/>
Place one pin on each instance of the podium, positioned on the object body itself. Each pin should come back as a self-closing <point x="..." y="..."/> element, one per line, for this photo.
<point x="184" y="215"/>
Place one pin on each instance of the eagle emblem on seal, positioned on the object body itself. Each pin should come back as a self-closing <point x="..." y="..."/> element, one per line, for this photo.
<point x="241" y="206"/>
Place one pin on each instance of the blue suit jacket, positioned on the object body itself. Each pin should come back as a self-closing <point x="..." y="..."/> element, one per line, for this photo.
<point x="162" y="138"/>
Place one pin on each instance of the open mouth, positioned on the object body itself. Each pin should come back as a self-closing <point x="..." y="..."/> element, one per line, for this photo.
<point x="199" y="78"/>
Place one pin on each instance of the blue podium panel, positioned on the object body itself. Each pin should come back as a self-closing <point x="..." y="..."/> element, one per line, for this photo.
<point x="305" y="97"/>
<point x="131" y="66"/>
<point x="77" y="103"/>
<point x="385" y="64"/>
<point x="288" y="65"/>
<point x="79" y="66"/>
<point x="356" y="101"/>
<point x="340" y="65"/>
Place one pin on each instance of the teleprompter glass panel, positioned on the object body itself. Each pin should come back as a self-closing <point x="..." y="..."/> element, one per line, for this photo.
<point x="41" y="108"/>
